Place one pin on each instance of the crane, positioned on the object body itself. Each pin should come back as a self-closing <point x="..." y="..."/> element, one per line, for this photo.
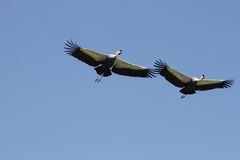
<point x="105" y="64"/>
<point x="188" y="84"/>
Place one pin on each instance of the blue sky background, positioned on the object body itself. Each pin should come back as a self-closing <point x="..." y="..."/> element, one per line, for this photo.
<point x="50" y="107"/>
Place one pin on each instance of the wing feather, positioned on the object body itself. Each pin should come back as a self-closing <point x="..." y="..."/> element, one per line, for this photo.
<point x="127" y="69"/>
<point x="91" y="58"/>
<point x="176" y="78"/>
<point x="212" y="84"/>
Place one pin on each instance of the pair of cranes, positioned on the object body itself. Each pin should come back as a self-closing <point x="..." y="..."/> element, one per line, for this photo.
<point x="105" y="64"/>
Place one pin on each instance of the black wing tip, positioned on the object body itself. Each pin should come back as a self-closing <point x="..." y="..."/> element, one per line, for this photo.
<point x="70" y="47"/>
<point x="160" y="66"/>
<point x="228" y="83"/>
<point x="151" y="73"/>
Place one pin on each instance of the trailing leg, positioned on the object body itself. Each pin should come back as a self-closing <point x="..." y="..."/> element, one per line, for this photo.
<point x="99" y="78"/>
<point x="183" y="96"/>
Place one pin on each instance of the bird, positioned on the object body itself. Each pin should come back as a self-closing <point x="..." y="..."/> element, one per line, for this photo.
<point x="105" y="64"/>
<point x="188" y="85"/>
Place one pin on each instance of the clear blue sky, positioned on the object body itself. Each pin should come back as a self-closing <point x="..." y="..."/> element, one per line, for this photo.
<point x="50" y="107"/>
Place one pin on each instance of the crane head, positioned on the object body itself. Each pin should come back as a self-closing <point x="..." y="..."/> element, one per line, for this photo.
<point x="118" y="52"/>
<point x="202" y="77"/>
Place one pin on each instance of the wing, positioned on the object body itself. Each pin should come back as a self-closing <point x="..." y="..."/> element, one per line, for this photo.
<point x="127" y="69"/>
<point x="176" y="78"/>
<point x="90" y="57"/>
<point x="212" y="84"/>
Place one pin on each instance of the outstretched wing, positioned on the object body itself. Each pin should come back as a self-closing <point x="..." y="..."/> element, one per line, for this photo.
<point x="127" y="69"/>
<point x="212" y="84"/>
<point x="92" y="58"/>
<point x="176" y="78"/>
